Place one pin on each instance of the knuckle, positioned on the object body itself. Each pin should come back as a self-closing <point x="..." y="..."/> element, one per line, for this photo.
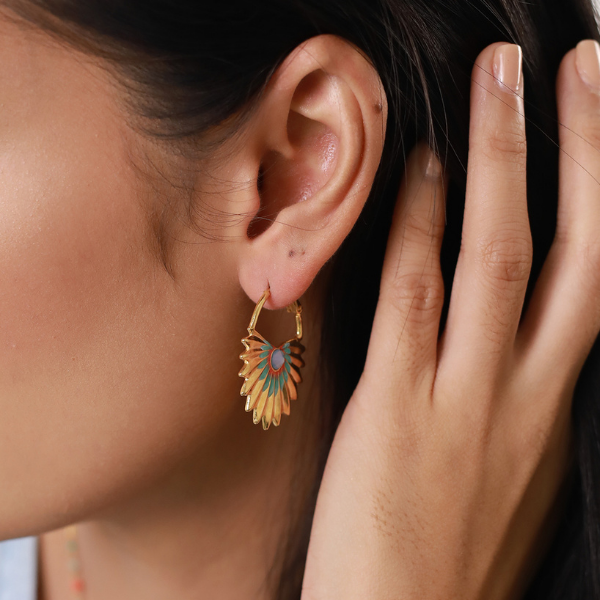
<point x="506" y="144"/>
<point x="417" y="296"/>
<point x="506" y="260"/>
<point x="421" y="226"/>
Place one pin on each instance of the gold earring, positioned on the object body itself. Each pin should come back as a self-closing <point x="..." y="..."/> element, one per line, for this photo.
<point x="271" y="374"/>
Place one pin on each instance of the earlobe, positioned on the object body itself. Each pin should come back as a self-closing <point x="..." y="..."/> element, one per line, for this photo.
<point x="316" y="143"/>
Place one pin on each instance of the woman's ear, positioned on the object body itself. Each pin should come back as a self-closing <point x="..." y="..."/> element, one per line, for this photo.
<point x="312" y="149"/>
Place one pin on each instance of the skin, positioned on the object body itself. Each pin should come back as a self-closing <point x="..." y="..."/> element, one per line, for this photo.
<point x="456" y="474"/>
<point x="119" y="387"/>
<point x="120" y="391"/>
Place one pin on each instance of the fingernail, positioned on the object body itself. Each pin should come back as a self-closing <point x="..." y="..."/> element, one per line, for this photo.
<point x="587" y="60"/>
<point x="430" y="165"/>
<point x="508" y="66"/>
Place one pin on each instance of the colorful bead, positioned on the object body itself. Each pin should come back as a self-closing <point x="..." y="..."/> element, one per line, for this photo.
<point x="76" y="583"/>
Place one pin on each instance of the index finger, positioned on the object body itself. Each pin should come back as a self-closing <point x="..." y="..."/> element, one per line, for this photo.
<point x="403" y="345"/>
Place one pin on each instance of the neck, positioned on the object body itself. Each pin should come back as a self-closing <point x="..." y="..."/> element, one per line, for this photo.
<point x="215" y="526"/>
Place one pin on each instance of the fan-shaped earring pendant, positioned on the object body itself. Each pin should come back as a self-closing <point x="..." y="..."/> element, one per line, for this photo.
<point x="271" y="373"/>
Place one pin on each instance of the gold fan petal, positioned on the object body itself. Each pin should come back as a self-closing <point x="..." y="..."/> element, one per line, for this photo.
<point x="285" y="400"/>
<point x="260" y="406"/>
<point x="250" y="378"/>
<point x="266" y="407"/>
<point x="295" y="374"/>
<point x="268" y="414"/>
<point x="291" y="388"/>
<point x="297" y="361"/>
<point x="253" y="390"/>
<point x="277" y="407"/>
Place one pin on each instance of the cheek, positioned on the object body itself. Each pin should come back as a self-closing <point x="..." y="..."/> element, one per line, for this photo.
<point x="111" y="372"/>
<point x="66" y="266"/>
<point x="63" y="249"/>
<point x="102" y="357"/>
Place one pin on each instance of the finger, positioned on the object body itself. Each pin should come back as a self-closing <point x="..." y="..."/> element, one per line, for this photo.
<point x="495" y="258"/>
<point x="404" y="336"/>
<point x="563" y="317"/>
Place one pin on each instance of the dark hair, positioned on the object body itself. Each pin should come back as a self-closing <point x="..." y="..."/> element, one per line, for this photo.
<point x="190" y="66"/>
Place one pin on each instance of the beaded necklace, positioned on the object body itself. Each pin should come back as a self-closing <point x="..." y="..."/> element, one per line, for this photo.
<point x="76" y="583"/>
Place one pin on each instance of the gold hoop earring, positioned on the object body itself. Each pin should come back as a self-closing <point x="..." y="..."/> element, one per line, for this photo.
<point x="271" y="374"/>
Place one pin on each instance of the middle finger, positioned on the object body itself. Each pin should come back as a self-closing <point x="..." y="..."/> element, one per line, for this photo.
<point x="495" y="257"/>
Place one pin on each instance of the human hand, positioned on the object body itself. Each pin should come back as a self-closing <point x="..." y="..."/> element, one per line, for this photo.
<point x="450" y="454"/>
